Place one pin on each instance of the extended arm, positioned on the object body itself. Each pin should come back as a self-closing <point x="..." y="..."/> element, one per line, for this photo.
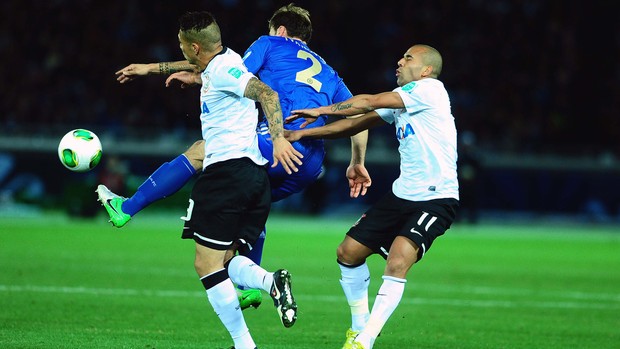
<point x="132" y="71"/>
<point x="352" y="106"/>
<point x="283" y="151"/>
<point x="338" y="129"/>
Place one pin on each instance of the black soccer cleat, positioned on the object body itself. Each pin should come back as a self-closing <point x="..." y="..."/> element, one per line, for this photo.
<point x="283" y="298"/>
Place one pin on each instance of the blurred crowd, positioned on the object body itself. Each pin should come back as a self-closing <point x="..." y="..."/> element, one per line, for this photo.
<point x="524" y="76"/>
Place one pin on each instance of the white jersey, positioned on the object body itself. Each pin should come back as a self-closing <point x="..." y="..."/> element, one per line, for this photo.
<point x="228" y="119"/>
<point x="427" y="135"/>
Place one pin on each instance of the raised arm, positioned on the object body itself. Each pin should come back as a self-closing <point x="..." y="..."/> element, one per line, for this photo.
<point x="283" y="151"/>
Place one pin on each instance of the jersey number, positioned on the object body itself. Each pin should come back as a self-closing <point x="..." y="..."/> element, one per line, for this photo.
<point x="190" y="210"/>
<point x="306" y="76"/>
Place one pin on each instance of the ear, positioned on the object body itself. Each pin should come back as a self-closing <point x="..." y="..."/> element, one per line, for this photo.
<point x="428" y="70"/>
<point x="281" y="31"/>
<point x="195" y="48"/>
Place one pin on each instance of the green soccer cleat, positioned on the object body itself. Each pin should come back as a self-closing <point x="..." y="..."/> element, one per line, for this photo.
<point x="350" y="337"/>
<point x="113" y="204"/>
<point x="283" y="298"/>
<point x="250" y="298"/>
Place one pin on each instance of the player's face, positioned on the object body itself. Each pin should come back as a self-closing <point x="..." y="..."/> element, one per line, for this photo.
<point x="186" y="48"/>
<point x="411" y="66"/>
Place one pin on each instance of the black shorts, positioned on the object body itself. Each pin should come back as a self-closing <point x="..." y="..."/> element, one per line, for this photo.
<point x="420" y="221"/>
<point x="229" y="204"/>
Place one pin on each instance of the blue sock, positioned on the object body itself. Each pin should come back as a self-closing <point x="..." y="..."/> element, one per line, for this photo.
<point x="166" y="180"/>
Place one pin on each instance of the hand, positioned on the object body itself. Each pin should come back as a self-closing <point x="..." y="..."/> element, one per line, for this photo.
<point x="359" y="180"/>
<point x="310" y="115"/>
<point x="132" y="71"/>
<point x="186" y="79"/>
<point x="285" y="154"/>
<point x="292" y="136"/>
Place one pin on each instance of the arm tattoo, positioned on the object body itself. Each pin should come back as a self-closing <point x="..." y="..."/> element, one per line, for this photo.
<point x="342" y="106"/>
<point x="346" y="106"/>
<point x="164" y="68"/>
<point x="167" y="68"/>
<point x="270" y="102"/>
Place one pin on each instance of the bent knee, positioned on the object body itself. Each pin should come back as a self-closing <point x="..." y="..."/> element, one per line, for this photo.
<point x="352" y="254"/>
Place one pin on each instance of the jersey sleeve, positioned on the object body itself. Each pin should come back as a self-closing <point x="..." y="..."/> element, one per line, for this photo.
<point x="414" y="95"/>
<point x="388" y="115"/>
<point x="255" y="56"/>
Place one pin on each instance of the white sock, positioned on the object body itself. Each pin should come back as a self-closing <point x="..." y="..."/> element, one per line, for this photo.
<point x="354" y="282"/>
<point x="223" y="299"/>
<point x="389" y="295"/>
<point x="244" y="272"/>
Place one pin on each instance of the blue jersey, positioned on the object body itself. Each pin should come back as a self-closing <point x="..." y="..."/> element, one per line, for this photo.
<point x="302" y="80"/>
<point x="301" y="77"/>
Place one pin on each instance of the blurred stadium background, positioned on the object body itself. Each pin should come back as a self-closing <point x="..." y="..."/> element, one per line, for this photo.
<point x="535" y="100"/>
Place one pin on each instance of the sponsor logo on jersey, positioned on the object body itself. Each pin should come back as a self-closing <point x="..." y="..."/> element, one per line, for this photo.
<point x="235" y="72"/>
<point x="404" y="131"/>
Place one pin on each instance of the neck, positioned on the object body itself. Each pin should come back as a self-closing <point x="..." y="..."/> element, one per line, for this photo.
<point x="204" y="61"/>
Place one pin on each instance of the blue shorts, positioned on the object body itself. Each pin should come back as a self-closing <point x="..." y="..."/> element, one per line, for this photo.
<point x="284" y="185"/>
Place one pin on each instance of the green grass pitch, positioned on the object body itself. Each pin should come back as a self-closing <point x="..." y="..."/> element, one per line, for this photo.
<point x="85" y="284"/>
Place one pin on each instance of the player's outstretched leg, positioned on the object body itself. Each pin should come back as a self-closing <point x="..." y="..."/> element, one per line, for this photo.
<point x="113" y="204"/>
<point x="165" y="181"/>
<point x="283" y="297"/>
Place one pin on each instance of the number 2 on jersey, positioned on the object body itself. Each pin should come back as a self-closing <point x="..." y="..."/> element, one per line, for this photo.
<point x="307" y="75"/>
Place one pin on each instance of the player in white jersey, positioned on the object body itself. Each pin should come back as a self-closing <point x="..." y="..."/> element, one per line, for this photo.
<point x="224" y="216"/>
<point x="422" y="203"/>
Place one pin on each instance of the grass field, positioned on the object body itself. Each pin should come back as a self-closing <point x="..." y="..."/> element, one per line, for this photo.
<point x="89" y="285"/>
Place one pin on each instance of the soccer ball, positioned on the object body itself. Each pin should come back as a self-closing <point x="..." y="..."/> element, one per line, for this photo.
<point x="79" y="150"/>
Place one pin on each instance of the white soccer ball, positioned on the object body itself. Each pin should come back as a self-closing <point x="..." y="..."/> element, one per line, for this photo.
<point x="80" y="150"/>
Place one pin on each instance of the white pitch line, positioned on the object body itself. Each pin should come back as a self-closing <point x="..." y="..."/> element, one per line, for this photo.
<point x="471" y="303"/>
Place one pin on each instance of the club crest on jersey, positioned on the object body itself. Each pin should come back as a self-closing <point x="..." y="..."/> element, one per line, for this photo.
<point x="235" y="72"/>
<point x="409" y="86"/>
<point x="206" y="83"/>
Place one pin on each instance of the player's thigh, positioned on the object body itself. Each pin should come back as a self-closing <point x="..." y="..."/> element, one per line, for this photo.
<point x="208" y="260"/>
<point x="352" y="252"/>
<point x="196" y="154"/>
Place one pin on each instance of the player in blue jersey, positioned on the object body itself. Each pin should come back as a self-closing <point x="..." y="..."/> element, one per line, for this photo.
<point x="422" y="203"/>
<point x="301" y="78"/>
